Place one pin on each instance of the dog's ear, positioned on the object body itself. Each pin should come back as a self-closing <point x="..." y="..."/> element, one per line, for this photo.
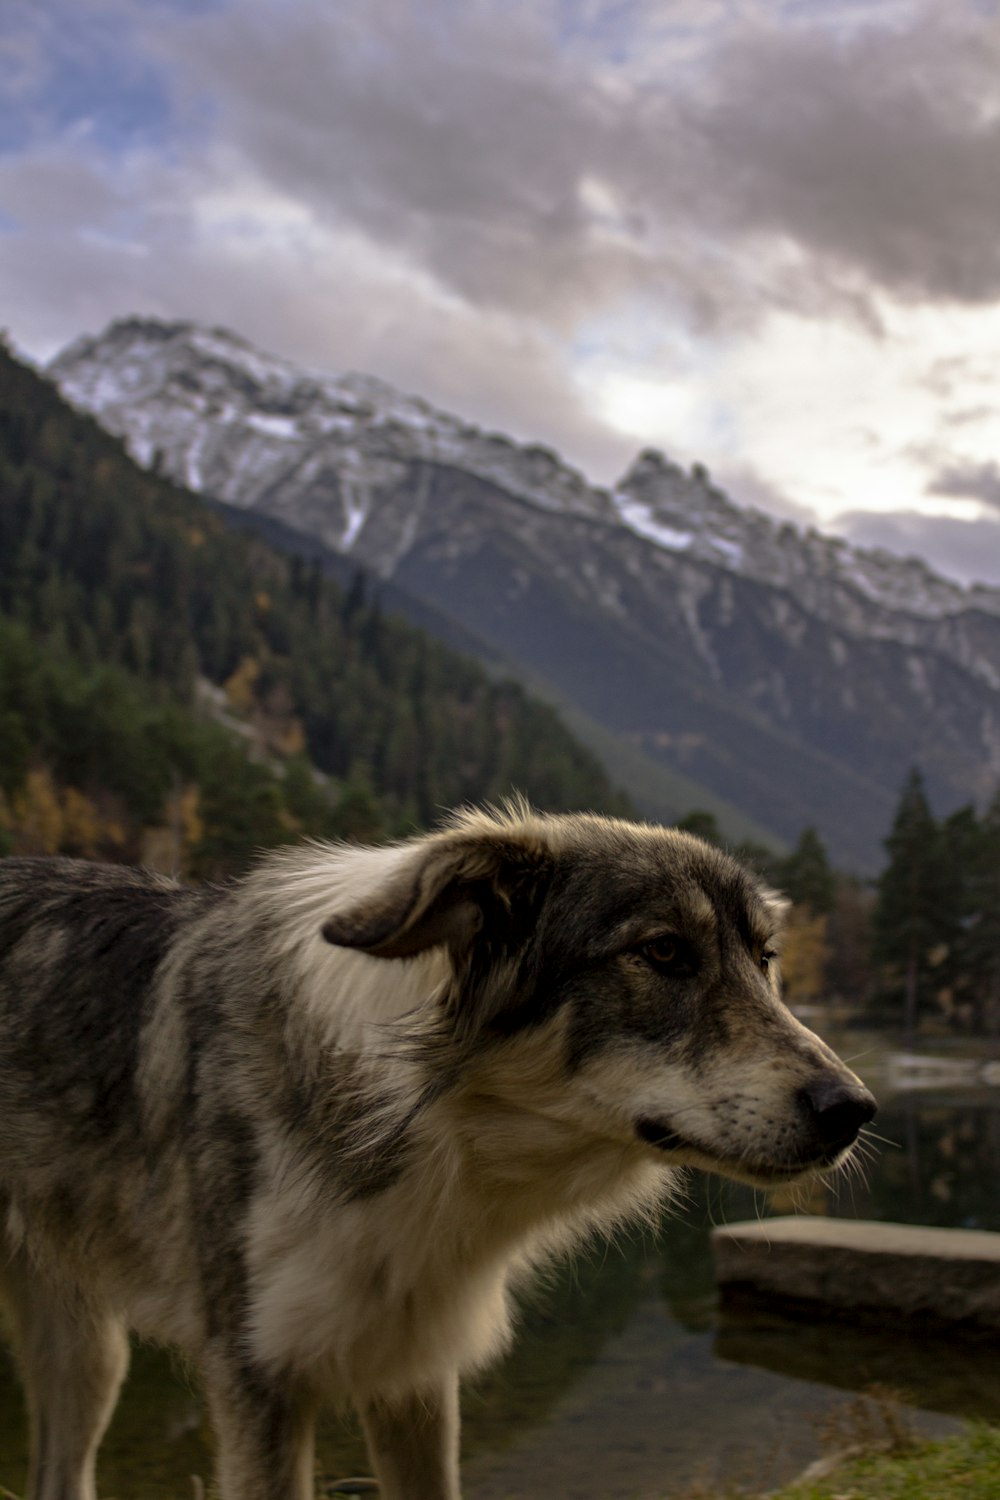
<point x="447" y="894"/>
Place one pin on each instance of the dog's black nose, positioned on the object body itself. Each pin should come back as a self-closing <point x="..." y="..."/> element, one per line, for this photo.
<point x="837" y="1111"/>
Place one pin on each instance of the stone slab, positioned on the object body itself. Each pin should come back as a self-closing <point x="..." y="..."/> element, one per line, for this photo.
<point x="948" y="1275"/>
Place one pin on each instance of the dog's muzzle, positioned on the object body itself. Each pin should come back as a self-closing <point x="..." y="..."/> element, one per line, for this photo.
<point x="831" y="1115"/>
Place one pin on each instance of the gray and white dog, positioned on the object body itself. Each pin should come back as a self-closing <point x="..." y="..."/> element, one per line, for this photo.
<point x="311" y="1127"/>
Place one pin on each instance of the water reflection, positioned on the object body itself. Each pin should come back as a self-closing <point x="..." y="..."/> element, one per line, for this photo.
<point x="937" y="1371"/>
<point x="624" y="1381"/>
<point x="946" y="1170"/>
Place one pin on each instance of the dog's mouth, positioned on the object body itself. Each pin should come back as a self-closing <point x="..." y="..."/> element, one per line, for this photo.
<point x="664" y="1137"/>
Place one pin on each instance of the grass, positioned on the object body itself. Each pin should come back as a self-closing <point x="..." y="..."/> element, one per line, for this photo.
<point x="966" y="1467"/>
<point x="870" y="1452"/>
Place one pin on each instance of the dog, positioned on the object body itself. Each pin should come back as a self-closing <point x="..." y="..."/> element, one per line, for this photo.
<point x="311" y="1127"/>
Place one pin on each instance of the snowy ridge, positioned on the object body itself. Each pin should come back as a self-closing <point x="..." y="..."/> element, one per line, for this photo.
<point x="674" y="509"/>
<point x="221" y="416"/>
<point x="156" y="383"/>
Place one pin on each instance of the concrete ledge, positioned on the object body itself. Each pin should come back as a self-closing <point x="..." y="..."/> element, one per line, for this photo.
<point x="948" y="1275"/>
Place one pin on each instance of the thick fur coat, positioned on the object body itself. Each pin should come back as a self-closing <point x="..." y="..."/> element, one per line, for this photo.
<point x="311" y="1127"/>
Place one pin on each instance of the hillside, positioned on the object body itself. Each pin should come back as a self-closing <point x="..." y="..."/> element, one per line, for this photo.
<point x="107" y="568"/>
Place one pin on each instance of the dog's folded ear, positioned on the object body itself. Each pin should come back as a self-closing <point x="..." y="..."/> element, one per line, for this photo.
<point x="454" y="886"/>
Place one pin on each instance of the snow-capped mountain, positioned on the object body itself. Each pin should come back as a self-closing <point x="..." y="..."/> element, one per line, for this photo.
<point x="789" y="672"/>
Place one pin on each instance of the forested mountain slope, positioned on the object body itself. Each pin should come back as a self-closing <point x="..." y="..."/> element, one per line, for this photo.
<point x="106" y="568"/>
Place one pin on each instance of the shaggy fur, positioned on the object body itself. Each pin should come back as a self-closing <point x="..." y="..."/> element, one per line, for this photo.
<point x="310" y="1127"/>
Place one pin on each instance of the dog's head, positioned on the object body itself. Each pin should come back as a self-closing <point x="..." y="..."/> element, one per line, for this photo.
<point x="624" y="978"/>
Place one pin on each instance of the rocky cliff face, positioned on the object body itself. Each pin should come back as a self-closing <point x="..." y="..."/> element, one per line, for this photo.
<point x="789" y="673"/>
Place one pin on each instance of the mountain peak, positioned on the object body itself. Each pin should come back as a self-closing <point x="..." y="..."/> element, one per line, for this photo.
<point x="184" y="392"/>
<point x="212" y="375"/>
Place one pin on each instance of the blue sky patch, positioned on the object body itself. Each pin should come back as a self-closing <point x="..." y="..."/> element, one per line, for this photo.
<point x="80" y="69"/>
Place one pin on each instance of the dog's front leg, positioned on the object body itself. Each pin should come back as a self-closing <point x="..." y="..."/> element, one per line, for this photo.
<point x="263" y="1430"/>
<point x="73" y="1355"/>
<point x="413" y="1442"/>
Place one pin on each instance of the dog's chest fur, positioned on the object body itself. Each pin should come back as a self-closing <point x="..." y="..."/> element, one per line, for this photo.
<point x="376" y="1294"/>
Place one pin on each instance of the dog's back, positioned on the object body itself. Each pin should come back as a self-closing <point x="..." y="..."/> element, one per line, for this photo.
<point x="79" y="945"/>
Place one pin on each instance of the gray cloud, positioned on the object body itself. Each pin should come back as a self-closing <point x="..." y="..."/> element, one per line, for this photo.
<point x="464" y="148"/>
<point x="969" y="481"/>
<point x="873" y="157"/>
<point x="879" y="154"/>
<point x="61" y="192"/>
<point x="748" y="488"/>
<point x="774" y="163"/>
<point x="966" y="550"/>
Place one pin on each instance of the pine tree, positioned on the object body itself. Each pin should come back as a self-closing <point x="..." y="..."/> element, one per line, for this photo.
<point x="806" y="877"/>
<point x="908" y="921"/>
<point x="703" y="824"/>
<point x="960" y="855"/>
<point x="848" y="965"/>
<point x="981" y="944"/>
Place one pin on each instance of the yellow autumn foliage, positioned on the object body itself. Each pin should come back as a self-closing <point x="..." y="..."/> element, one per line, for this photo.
<point x="45" y="818"/>
<point x="37" y="814"/>
<point x="239" y="687"/>
<point x="82" y="828"/>
<point x="804" y="955"/>
<point x="168" y="846"/>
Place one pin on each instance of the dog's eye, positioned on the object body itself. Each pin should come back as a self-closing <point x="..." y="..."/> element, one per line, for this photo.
<point x="766" y="957"/>
<point x="670" y="955"/>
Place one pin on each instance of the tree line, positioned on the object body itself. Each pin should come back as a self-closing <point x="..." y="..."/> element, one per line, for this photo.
<point x="920" y="944"/>
<point x="936" y="916"/>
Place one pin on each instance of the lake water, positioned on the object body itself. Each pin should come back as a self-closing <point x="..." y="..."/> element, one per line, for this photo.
<point x="626" y="1382"/>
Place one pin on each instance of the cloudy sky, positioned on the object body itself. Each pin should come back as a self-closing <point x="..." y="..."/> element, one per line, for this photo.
<point x="759" y="234"/>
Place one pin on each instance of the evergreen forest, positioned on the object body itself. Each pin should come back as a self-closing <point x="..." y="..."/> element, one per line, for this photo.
<point x="179" y="693"/>
<point x="936" y="916"/>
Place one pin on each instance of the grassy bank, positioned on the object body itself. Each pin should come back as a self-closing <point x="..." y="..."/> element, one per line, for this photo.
<point x="966" y="1467"/>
